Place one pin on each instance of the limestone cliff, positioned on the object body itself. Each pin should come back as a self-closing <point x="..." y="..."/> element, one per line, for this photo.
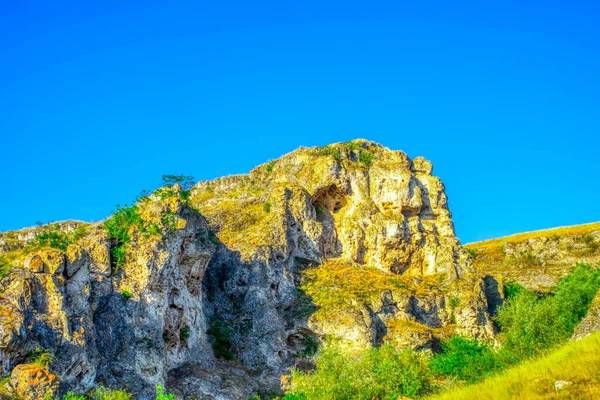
<point x="219" y="290"/>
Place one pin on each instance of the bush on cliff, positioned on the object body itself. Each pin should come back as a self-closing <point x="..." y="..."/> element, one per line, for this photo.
<point x="118" y="227"/>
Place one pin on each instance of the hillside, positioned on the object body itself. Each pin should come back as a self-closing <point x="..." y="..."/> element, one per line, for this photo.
<point x="571" y="372"/>
<point x="538" y="259"/>
<point x="218" y="288"/>
<point x="224" y="289"/>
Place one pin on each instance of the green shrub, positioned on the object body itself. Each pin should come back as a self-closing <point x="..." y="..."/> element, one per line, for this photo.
<point x="103" y="393"/>
<point x="464" y="359"/>
<point x="39" y="357"/>
<point x="79" y="232"/>
<point x="270" y="166"/>
<point x="351" y="146"/>
<point x="153" y="229"/>
<point x="385" y="373"/>
<point x="267" y="207"/>
<point x="161" y="395"/>
<point x="366" y="158"/>
<point x="126" y="295"/>
<point x="5" y="266"/>
<point x="530" y="323"/>
<point x="118" y="226"/>
<point x="122" y="220"/>
<point x="53" y="238"/>
<point x="185" y="332"/>
<point x="221" y="334"/>
<point x="292" y="397"/>
<point x="574" y="294"/>
<point x="454" y="302"/>
<point x="527" y="326"/>
<point x="169" y="220"/>
<point x="511" y="289"/>
<point x="330" y="151"/>
<point x="311" y="346"/>
<point x="184" y="183"/>
<point x="73" y="396"/>
<point x="473" y="253"/>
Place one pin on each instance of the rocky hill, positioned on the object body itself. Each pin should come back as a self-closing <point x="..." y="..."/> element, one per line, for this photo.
<point x="538" y="260"/>
<point x="216" y="290"/>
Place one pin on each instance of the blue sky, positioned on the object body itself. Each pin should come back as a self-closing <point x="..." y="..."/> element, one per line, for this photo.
<point x="97" y="102"/>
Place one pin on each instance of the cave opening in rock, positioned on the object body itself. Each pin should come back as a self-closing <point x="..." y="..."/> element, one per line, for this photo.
<point x="330" y="199"/>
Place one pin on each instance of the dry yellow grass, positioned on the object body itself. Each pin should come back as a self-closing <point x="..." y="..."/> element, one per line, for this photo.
<point x="540" y="263"/>
<point x="577" y="362"/>
<point x="522" y="237"/>
<point x="338" y="284"/>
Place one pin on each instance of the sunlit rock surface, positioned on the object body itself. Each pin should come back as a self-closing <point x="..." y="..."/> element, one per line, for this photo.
<point x="224" y="289"/>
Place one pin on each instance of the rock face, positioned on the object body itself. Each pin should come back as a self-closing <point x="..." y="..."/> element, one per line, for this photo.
<point x="538" y="260"/>
<point x="73" y="304"/>
<point x="591" y="322"/>
<point x="33" y="382"/>
<point x="224" y="289"/>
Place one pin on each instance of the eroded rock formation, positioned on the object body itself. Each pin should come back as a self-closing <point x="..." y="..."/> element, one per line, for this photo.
<point x="224" y="289"/>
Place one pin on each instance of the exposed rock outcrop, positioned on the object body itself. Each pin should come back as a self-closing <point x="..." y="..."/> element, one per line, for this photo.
<point x="538" y="260"/>
<point x="222" y="290"/>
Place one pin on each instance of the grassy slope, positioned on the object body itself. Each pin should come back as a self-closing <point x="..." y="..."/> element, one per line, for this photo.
<point x="538" y="266"/>
<point x="577" y="362"/>
<point x="522" y="237"/>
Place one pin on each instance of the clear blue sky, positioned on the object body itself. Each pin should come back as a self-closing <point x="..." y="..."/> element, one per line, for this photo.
<point x="97" y="102"/>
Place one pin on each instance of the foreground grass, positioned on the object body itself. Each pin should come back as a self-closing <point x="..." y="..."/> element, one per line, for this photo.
<point x="577" y="362"/>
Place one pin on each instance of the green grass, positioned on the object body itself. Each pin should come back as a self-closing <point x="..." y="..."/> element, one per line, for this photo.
<point x="54" y="239"/>
<point x="576" y="362"/>
<point x="267" y="207"/>
<point x="161" y="394"/>
<point x="366" y="158"/>
<point x="385" y="373"/>
<point x="73" y="396"/>
<point x="118" y="228"/>
<point x="103" y="393"/>
<point x="330" y="151"/>
<point x="465" y="360"/>
<point x="5" y="265"/>
<point x="40" y="358"/>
